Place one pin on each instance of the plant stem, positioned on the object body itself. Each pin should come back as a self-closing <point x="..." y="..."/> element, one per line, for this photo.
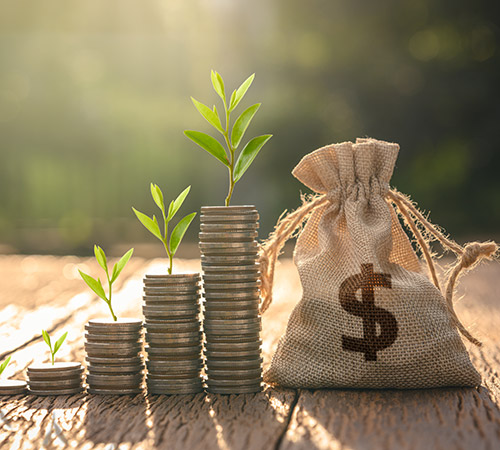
<point x="231" y="159"/>
<point x="109" y="301"/>
<point x="52" y="356"/>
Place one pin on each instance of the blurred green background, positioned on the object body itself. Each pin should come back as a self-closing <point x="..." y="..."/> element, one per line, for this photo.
<point x="94" y="97"/>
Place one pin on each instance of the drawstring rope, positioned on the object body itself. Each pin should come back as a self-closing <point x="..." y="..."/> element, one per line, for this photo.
<point x="467" y="257"/>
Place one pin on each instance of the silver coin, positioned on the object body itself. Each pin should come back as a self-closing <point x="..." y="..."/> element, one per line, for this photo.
<point x="115" y="369"/>
<point x="234" y="390"/>
<point x="172" y="376"/>
<point x="181" y="289"/>
<point x="231" y="305"/>
<point x="52" y="392"/>
<point x="171" y="307"/>
<point x="222" y="286"/>
<point x="216" y="364"/>
<point x="121" y="379"/>
<point x="174" y="351"/>
<point x="227" y="382"/>
<point x="228" y="226"/>
<point x="230" y="277"/>
<point x="109" y="352"/>
<point x="234" y="218"/>
<point x="177" y="391"/>
<point x="210" y="333"/>
<point x="176" y="276"/>
<point x="109" y="338"/>
<point x="219" y="314"/>
<point x="55" y="384"/>
<point x="167" y="315"/>
<point x="252" y="245"/>
<point x="233" y="324"/>
<point x="174" y="342"/>
<point x="111" y="332"/>
<point x="244" y="354"/>
<point x="222" y="269"/>
<point x="218" y="295"/>
<point x="115" y="360"/>
<point x="175" y="384"/>
<point x="235" y="374"/>
<point x="173" y="335"/>
<point x="231" y="209"/>
<point x="175" y="279"/>
<point x="12" y="387"/>
<point x="177" y="321"/>
<point x="124" y="324"/>
<point x="116" y="346"/>
<point x="234" y="338"/>
<point x="60" y="375"/>
<point x="183" y="327"/>
<point x="233" y="253"/>
<point x="96" y="391"/>
<point x="222" y="259"/>
<point x="56" y="367"/>
<point x="233" y="346"/>
<point x="226" y="236"/>
<point x="170" y="366"/>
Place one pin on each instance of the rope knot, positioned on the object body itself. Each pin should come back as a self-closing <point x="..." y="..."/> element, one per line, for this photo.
<point x="477" y="250"/>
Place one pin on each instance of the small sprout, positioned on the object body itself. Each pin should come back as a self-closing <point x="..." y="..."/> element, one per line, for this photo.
<point x="96" y="285"/>
<point x="237" y="167"/>
<point x="4" y="365"/>
<point x="179" y="230"/>
<point x="57" y="345"/>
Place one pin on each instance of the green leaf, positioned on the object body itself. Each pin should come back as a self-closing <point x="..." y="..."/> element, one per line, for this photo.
<point x="4" y="365"/>
<point x="118" y="267"/>
<point x="248" y="154"/>
<point x="211" y="116"/>
<point x="233" y="96"/>
<point x="94" y="284"/>
<point x="150" y="224"/>
<point x="46" y="338"/>
<point x="208" y="143"/>
<point x="101" y="257"/>
<point x="241" y="124"/>
<point x="157" y="195"/>
<point x="175" y="206"/>
<point x="240" y="92"/>
<point x="179" y="231"/>
<point x="59" y="342"/>
<point x="218" y="84"/>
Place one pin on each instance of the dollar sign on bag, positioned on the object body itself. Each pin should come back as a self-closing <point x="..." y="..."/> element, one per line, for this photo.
<point x="371" y="342"/>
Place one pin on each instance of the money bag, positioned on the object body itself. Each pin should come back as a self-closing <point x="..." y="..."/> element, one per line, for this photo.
<point x="371" y="316"/>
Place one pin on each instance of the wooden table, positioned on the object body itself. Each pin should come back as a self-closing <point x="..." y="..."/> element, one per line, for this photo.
<point x="45" y="292"/>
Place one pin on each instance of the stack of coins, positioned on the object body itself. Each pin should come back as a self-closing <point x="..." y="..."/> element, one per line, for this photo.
<point x="58" y="379"/>
<point x="173" y="333"/>
<point x="12" y="387"/>
<point x="231" y="280"/>
<point x="114" y="356"/>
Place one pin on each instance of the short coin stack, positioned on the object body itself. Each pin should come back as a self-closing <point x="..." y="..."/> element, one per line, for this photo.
<point x="12" y="387"/>
<point x="114" y="356"/>
<point x="61" y="378"/>
<point x="173" y="333"/>
<point x="231" y="280"/>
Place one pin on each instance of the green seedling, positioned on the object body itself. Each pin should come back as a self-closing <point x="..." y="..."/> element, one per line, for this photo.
<point x="171" y="245"/>
<point x="57" y="345"/>
<point x="232" y="137"/>
<point x="4" y="365"/>
<point x="96" y="285"/>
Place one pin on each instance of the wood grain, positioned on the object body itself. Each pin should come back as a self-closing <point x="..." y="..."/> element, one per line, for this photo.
<point x="276" y="418"/>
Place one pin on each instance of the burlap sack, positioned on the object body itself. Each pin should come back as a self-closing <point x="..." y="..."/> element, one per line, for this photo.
<point x="369" y="316"/>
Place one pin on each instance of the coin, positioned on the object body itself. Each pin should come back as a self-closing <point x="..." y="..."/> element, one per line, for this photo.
<point x="218" y="305"/>
<point x="218" y="295"/>
<point x="235" y="374"/>
<point x="232" y="325"/>
<point x="12" y="387"/>
<point x="114" y="369"/>
<point x="176" y="276"/>
<point x="171" y="307"/>
<point x="228" y="226"/>
<point x="177" y="391"/>
<point x="226" y="236"/>
<point x="114" y="360"/>
<point x="220" y="218"/>
<point x="124" y="324"/>
<point x="109" y="338"/>
<point x="234" y="338"/>
<point x="175" y="384"/>
<point x="43" y="392"/>
<point x="55" y="384"/>
<point x="172" y="376"/>
<point x="234" y="382"/>
<point x="120" y="380"/>
<point x="155" y="313"/>
<point x="173" y="289"/>
<point x="228" y="209"/>
<point x="246" y="354"/>
<point x="234" y="390"/>
<point x="216" y="364"/>
<point x="227" y="246"/>
<point x="175" y="341"/>
<point x="249" y="285"/>
<point x="110" y="351"/>
<point x="230" y="277"/>
<point x="233" y="346"/>
<point x="56" y="367"/>
<point x="182" y="327"/>
<point x="222" y="259"/>
<point x="247" y="268"/>
<point x="174" y="366"/>
<point x="173" y="351"/>
<point x="99" y="391"/>
<point x="111" y="332"/>
<point x="59" y="375"/>
<point x="224" y="314"/>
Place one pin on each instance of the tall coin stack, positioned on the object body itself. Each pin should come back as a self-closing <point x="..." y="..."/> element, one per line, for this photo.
<point x="61" y="378"/>
<point x="231" y="281"/>
<point x="173" y="333"/>
<point x="114" y="357"/>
